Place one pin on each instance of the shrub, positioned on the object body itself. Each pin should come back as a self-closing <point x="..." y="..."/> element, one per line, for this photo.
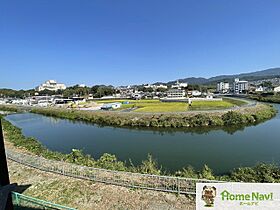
<point x="233" y="118"/>
<point x="206" y="173"/>
<point x="149" y="166"/>
<point x="187" y="172"/>
<point x="111" y="162"/>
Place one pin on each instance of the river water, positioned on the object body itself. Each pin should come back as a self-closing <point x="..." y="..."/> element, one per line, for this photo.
<point x="221" y="149"/>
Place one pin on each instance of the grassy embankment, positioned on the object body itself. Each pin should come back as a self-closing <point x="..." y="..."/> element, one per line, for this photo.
<point x="270" y="98"/>
<point x="259" y="173"/>
<point x="244" y="116"/>
<point x="8" y="108"/>
<point x="158" y="106"/>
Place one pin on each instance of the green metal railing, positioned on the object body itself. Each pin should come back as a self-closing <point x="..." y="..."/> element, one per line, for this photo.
<point x="23" y="201"/>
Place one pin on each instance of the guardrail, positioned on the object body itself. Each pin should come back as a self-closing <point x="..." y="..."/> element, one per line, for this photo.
<point x="121" y="178"/>
<point x="23" y="201"/>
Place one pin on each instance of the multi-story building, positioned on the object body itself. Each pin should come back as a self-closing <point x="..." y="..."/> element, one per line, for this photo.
<point x="154" y="87"/>
<point x="179" y="85"/>
<point x="161" y="86"/>
<point x="277" y="89"/>
<point x="51" y="85"/>
<point x="240" y="86"/>
<point x="223" y="87"/>
<point x="176" y="93"/>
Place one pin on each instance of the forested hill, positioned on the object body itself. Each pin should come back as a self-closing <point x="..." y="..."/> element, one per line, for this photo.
<point x="264" y="74"/>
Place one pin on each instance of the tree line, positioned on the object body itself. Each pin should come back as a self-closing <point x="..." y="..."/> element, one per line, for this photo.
<point x="96" y="91"/>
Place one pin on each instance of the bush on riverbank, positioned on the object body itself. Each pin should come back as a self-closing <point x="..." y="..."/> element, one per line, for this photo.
<point x="8" y="108"/>
<point x="244" y="116"/>
<point x="266" y="98"/>
<point x="262" y="173"/>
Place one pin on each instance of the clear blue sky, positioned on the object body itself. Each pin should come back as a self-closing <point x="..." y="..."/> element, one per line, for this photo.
<point x="133" y="42"/>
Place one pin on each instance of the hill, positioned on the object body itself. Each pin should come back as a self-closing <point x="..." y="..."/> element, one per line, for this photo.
<point x="257" y="75"/>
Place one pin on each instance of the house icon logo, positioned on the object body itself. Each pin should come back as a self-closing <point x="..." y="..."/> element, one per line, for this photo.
<point x="208" y="195"/>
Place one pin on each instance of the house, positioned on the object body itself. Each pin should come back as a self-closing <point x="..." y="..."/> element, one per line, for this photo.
<point x="176" y="93"/>
<point x="259" y="89"/>
<point x="277" y="89"/>
<point x="137" y="96"/>
<point x="51" y="85"/>
<point x="240" y="86"/>
<point x="196" y="93"/>
<point x="111" y="106"/>
<point x="222" y="87"/>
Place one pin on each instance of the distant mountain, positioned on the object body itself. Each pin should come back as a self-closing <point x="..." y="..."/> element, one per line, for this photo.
<point x="190" y="80"/>
<point x="257" y="75"/>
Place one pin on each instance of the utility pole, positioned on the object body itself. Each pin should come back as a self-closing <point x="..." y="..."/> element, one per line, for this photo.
<point x="4" y="174"/>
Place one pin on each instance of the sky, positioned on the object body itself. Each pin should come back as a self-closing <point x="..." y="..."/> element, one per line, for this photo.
<point x="122" y="42"/>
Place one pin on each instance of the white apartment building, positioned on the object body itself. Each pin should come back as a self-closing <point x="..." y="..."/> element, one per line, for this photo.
<point x="156" y="86"/>
<point x="161" y="86"/>
<point x="260" y="89"/>
<point x="277" y="89"/>
<point x="240" y="86"/>
<point x="223" y="87"/>
<point x="179" y="85"/>
<point x="176" y="93"/>
<point x="196" y="93"/>
<point x="51" y="85"/>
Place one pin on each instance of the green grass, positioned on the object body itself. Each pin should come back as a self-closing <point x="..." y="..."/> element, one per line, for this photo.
<point x="208" y="105"/>
<point x="151" y="105"/>
<point x="162" y="107"/>
<point x="129" y="100"/>
<point x="237" y="102"/>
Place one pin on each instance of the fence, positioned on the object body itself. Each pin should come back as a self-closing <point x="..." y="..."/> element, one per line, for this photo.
<point x="22" y="201"/>
<point x="126" y="179"/>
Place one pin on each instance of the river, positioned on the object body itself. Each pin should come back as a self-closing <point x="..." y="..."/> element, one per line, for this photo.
<point x="221" y="149"/>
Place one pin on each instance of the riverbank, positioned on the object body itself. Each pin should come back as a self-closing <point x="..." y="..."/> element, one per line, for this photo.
<point x="242" y="116"/>
<point x="15" y="138"/>
<point x="90" y="195"/>
<point x="93" y="195"/>
<point x="18" y="142"/>
<point x="267" y="98"/>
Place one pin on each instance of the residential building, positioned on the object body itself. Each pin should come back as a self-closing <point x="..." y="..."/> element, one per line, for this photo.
<point x="223" y="87"/>
<point x="176" y="93"/>
<point x="161" y="86"/>
<point x="179" y="85"/>
<point x="196" y="93"/>
<point x="240" y="86"/>
<point x="51" y="85"/>
<point x="150" y="86"/>
<point x="154" y="87"/>
<point x="259" y="89"/>
<point x="277" y="89"/>
<point x="137" y="96"/>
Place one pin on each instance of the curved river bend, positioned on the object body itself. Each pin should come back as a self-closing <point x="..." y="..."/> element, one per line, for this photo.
<point x="222" y="150"/>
